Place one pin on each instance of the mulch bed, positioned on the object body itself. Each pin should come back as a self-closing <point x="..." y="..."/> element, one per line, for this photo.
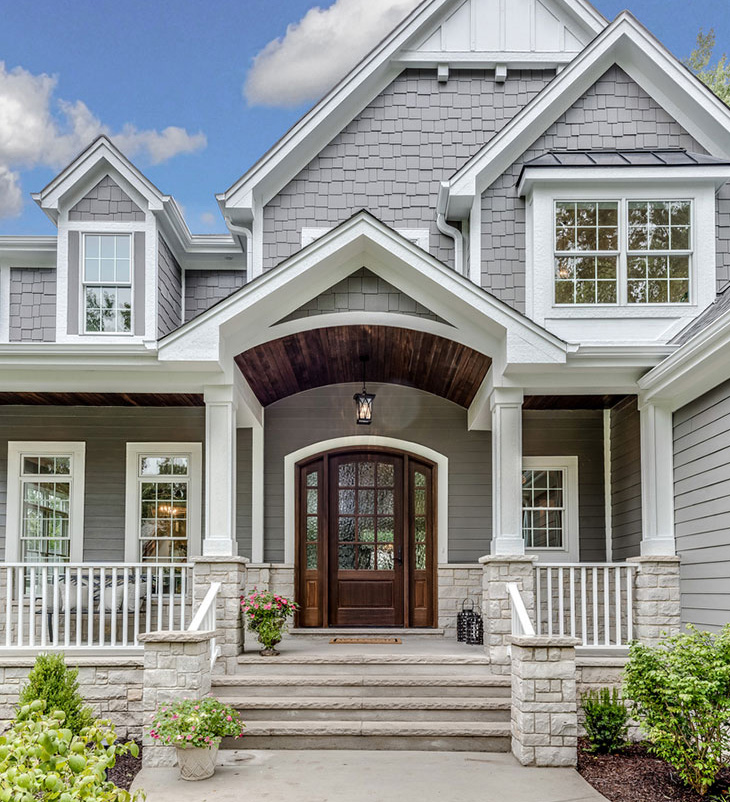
<point x="125" y="770"/>
<point x="636" y="776"/>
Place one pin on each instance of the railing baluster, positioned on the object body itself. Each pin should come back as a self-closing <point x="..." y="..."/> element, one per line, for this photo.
<point x="549" y="593"/>
<point x="629" y="603"/>
<point x="66" y="607"/>
<point x="102" y="606"/>
<point x="148" y="602"/>
<point x="617" y="587"/>
<point x="606" y="608"/>
<point x="44" y="606"/>
<point x="125" y="606"/>
<point x="137" y="602"/>
<point x="171" y="600"/>
<point x="183" y="595"/>
<point x="538" y="600"/>
<point x="54" y="602"/>
<point x="9" y="575"/>
<point x="572" y="601"/>
<point x="31" y="609"/>
<point x="160" y="598"/>
<point x="561" y="600"/>
<point x="595" y="605"/>
<point x="90" y="609"/>
<point x="21" y="606"/>
<point x="113" y="611"/>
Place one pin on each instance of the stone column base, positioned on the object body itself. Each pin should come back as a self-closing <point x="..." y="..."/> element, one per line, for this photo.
<point x="657" y="602"/>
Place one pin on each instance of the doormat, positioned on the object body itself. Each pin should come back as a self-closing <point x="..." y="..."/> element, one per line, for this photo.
<point x="366" y="640"/>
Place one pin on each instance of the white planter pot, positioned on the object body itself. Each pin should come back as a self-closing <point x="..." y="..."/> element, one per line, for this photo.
<point x="196" y="763"/>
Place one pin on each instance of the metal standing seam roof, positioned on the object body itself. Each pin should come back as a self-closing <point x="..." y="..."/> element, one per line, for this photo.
<point x="718" y="307"/>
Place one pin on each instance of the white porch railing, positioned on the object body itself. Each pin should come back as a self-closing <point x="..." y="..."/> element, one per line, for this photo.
<point x="521" y="623"/>
<point x="590" y="601"/>
<point x="91" y="605"/>
<point x="205" y="619"/>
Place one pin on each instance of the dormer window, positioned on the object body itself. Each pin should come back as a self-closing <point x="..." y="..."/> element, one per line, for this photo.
<point x="107" y="286"/>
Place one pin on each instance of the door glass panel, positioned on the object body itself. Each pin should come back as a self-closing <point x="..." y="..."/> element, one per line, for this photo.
<point x="385" y="557"/>
<point x="346" y="528"/>
<point x="385" y="502"/>
<point x="420" y="519"/>
<point x="366" y="530"/>
<point x="347" y="475"/>
<point x="366" y="557"/>
<point x="366" y="502"/>
<point x="311" y="556"/>
<point x="386" y="530"/>
<point x="347" y="502"/>
<point x="366" y="474"/>
<point x="346" y="557"/>
<point x="312" y="499"/>
<point x="386" y="474"/>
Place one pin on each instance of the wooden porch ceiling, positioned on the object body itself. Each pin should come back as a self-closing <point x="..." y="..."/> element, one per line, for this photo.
<point x="319" y="357"/>
<point x="571" y="401"/>
<point x="104" y="399"/>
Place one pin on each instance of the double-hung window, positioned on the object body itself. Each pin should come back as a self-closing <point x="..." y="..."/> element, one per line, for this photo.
<point x="107" y="284"/>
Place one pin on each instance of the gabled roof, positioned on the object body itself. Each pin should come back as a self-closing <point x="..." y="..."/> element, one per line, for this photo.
<point x="628" y="44"/>
<point x="666" y="157"/>
<point x="716" y="309"/>
<point x="341" y="104"/>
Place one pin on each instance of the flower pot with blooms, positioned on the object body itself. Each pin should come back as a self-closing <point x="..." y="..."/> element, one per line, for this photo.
<point x="195" y="727"/>
<point x="267" y="614"/>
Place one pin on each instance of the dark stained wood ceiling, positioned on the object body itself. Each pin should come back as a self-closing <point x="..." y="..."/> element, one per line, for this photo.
<point x="571" y="401"/>
<point x="104" y="399"/>
<point x="319" y="357"/>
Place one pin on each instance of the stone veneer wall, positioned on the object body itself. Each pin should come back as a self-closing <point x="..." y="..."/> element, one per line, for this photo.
<point x="111" y="685"/>
<point x="455" y="584"/>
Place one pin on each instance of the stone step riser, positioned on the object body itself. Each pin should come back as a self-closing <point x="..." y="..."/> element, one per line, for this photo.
<point x="418" y="743"/>
<point x="337" y="714"/>
<point x="348" y="669"/>
<point x="395" y="691"/>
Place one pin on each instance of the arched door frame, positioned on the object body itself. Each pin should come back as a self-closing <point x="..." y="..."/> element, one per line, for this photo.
<point x="375" y="441"/>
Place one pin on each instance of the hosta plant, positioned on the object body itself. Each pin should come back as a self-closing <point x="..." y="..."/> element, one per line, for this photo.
<point x="267" y="614"/>
<point x="680" y="693"/>
<point x="42" y="759"/>
<point x="197" y="723"/>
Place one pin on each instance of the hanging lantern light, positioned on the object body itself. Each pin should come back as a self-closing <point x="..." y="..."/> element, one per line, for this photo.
<point x="364" y="400"/>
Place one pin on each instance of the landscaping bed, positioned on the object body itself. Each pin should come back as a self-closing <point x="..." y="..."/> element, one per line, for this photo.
<point x="125" y="770"/>
<point x="633" y="775"/>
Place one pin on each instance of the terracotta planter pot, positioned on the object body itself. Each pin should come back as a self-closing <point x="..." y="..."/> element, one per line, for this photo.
<point x="196" y="763"/>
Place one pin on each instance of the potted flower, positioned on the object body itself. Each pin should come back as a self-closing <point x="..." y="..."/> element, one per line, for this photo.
<point x="267" y="613"/>
<point x="195" y="728"/>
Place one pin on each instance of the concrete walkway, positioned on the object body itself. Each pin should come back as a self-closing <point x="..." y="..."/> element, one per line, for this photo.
<point x="353" y="776"/>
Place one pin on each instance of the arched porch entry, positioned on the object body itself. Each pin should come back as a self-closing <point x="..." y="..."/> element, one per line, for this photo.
<point x="366" y="538"/>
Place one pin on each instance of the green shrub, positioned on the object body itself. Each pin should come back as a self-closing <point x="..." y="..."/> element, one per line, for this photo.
<point x="56" y="685"/>
<point x="680" y="693"/>
<point x="606" y="720"/>
<point x="40" y="758"/>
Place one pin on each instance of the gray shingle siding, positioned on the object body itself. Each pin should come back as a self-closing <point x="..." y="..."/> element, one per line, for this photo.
<point x="363" y="291"/>
<point x="391" y="157"/>
<point x="625" y="480"/>
<point x="615" y="113"/>
<point x="169" y="290"/>
<point x="32" y="304"/>
<point x="702" y="507"/>
<point x="204" y="288"/>
<point x="106" y="201"/>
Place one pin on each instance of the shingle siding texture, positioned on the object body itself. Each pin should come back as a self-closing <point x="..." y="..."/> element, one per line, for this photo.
<point x="169" y="290"/>
<point x="32" y="304"/>
<point x="363" y="291"/>
<point x="391" y="157"/>
<point x="625" y="480"/>
<point x="107" y="201"/>
<point x="702" y="507"/>
<point x="614" y="113"/>
<point x="204" y="288"/>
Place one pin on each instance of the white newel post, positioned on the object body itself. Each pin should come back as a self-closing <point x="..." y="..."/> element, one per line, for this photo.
<point x="220" y="472"/>
<point x="506" y="406"/>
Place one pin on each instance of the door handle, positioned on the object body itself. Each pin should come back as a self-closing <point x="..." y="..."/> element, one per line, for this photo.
<point x="399" y="555"/>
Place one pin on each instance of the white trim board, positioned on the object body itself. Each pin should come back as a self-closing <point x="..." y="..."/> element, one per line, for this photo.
<point x="442" y="482"/>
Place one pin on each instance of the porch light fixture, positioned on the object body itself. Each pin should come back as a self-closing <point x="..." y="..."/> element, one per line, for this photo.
<point x="364" y="400"/>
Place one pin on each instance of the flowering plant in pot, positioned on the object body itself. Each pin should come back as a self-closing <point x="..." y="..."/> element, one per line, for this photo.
<point x="195" y="727"/>
<point x="267" y="613"/>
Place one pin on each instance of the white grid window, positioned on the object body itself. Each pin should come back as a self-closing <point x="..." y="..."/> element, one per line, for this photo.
<point x="163" y="486"/>
<point x="107" y="283"/>
<point x="543" y="508"/>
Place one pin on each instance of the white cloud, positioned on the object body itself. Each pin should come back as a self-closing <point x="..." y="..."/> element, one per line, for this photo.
<point x="208" y="218"/>
<point x="320" y="49"/>
<point x="36" y="129"/>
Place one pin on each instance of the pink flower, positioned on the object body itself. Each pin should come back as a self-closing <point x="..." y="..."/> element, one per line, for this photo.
<point x="174" y="715"/>
<point x="267" y="606"/>
<point x="229" y="718"/>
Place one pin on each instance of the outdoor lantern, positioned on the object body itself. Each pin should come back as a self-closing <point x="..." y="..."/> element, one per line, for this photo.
<point x="364" y="400"/>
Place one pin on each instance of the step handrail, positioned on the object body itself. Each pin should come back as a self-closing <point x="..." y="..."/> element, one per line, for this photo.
<point x="205" y="619"/>
<point x="521" y="623"/>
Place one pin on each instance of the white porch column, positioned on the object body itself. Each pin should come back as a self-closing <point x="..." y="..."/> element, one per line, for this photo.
<point x="657" y="481"/>
<point x="220" y="472"/>
<point x="506" y="406"/>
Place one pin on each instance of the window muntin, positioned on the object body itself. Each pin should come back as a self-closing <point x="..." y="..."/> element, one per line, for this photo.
<point x="163" y="492"/>
<point x="107" y="283"/>
<point x="543" y="508"/>
<point x="586" y="252"/>
<point x="659" y="248"/>
<point x="622" y="252"/>
<point x="45" y="499"/>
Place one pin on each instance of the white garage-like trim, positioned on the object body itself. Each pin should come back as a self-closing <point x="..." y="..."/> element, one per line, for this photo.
<point x="442" y="484"/>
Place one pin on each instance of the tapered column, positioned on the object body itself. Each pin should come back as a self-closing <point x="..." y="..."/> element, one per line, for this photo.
<point x="657" y="482"/>
<point x="506" y="407"/>
<point x="220" y="472"/>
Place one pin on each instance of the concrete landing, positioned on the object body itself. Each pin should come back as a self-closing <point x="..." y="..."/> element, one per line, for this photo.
<point x="334" y="776"/>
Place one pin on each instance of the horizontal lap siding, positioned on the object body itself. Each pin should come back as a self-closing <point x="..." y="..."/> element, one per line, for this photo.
<point x="626" y="480"/>
<point x="243" y="491"/>
<point x="399" y="412"/>
<point x="702" y="507"/>
<point x="106" y="431"/>
<point x="575" y="433"/>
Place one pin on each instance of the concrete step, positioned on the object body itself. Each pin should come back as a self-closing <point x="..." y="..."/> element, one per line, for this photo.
<point x="354" y="708"/>
<point x="367" y="632"/>
<point x="415" y="664"/>
<point x="371" y="685"/>
<point x="444" y="736"/>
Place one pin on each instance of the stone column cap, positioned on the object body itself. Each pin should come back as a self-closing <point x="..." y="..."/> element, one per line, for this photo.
<point x="545" y="641"/>
<point x="210" y="559"/>
<point x="655" y="558"/>
<point x="508" y="558"/>
<point x="175" y="636"/>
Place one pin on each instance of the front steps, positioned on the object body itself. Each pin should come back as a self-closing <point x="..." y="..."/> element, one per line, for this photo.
<point x="396" y="701"/>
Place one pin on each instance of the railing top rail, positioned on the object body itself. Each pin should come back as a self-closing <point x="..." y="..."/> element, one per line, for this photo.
<point x="518" y="606"/>
<point x="585" y="565"/>
<point x="206" y="605"/>
<point x="112" y="564"/>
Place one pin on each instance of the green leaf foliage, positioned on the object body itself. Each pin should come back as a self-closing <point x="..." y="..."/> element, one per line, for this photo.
<point x="680" y="693"/>
<point x="606" y="720"/>
<point x="196" y="722"/>
<point x="57" y="686"/>
<point x="267" y="614"/>
<point x="716" y="77"/>
<point x="41" y="758"/>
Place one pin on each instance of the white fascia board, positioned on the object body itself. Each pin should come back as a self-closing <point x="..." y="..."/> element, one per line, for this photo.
<point x="28" y="251"/>
<point x="717" y="174"/>
<point x="322" y="263"/>
<point x="629" y="45"/>
<point x="693" y="369"/>
<point x="484" y="60"/>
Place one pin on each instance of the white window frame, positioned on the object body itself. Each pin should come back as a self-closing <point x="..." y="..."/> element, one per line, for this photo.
<point x="45" y="448"/>
<point x="83" y="282"/>
<point x="194" y="452"/>
<point x="570" y="551"/>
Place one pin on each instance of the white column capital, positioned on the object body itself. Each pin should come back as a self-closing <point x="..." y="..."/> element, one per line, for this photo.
<point x="506" y="397"/>
<point x="657" y="481"/>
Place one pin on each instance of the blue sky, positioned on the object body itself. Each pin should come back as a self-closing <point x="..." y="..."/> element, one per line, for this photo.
<point x="138" y="67"/>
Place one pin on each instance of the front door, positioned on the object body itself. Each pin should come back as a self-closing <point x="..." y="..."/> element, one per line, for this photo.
<point x="365" y="540"/>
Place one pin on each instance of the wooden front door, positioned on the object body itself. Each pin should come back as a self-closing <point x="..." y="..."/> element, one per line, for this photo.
<point x="365" y="552"/>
